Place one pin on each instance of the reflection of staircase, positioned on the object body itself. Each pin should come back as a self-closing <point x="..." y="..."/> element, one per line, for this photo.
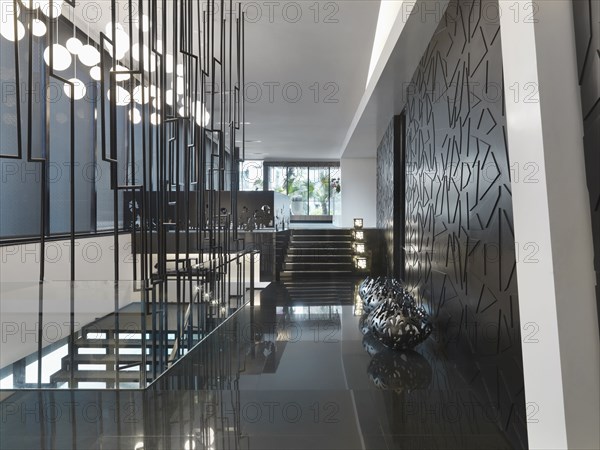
<point x="318" y="254"/>
<point x="102" y="355"/>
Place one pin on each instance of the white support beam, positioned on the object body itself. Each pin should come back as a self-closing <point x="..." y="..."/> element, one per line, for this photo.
<point x="561" y="349"/>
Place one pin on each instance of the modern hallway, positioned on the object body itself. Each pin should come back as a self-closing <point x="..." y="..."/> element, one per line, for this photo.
<point x="275" y="376"/>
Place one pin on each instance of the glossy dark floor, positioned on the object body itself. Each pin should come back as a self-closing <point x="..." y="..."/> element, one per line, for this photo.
<point x="292" y="373"/>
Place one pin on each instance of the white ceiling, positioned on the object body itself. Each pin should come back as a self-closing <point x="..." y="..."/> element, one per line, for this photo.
<point x="332" y="48"/>
<point x="306" y="53"/>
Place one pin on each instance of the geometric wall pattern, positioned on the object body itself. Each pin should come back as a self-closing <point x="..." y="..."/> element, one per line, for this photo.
<point x="460" y="247"/>
<point x="587" y="35"/>
<point x="385" y="192"/>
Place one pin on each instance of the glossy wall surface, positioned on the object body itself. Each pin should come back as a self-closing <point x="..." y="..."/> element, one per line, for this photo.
<point x="460" y="248"/>
<point x="385" y="191"/>
<point x="587" y="34"/>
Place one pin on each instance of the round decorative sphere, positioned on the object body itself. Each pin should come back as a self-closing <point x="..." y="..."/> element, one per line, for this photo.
<point x="399" y="324"/>
<point x="374" y="291"/>
<point x="400" y="372"/>
<point x="372" y="345"/>
<point x="362" y="324"/>
<point x="61" y="58"/>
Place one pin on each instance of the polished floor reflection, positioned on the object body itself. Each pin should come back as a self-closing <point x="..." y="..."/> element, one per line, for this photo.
<point x="282" y="375"/>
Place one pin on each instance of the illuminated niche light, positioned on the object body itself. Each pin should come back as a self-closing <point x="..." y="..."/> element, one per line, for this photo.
<point x="358" y="223"/>
<point x="361" y="263"/>
<point x="359" y="247"/>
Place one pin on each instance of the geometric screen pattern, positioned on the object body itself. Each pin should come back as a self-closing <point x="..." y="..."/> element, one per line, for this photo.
<point x="586" y="14"/>
<point x="460" y="248"/>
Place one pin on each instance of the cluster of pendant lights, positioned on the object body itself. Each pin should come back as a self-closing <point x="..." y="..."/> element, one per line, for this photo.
<point x="89" y="56"/>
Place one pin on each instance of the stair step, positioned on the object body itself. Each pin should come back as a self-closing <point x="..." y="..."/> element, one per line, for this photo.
<point x="110" y="358"/>
<point x="321" y="237"/>
<point x="97" y="375"/>
<point x="122" y="343"/>
<point x="313" y="231"/>
<point x="294" y="266"/>
<point x="316" y="273"/>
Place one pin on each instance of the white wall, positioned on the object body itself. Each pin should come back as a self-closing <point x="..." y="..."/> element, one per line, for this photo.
<point x="359" y="192"/>
<point x="557" y="306"/>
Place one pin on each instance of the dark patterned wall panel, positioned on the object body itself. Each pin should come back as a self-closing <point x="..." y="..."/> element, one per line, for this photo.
<point x="460" y="258"/>
<point x="587" y="33"/>
<point x="385" y="192"/>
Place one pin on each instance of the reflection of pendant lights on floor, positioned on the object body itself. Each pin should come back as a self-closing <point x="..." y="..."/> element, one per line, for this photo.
<point x="61" y="58"/>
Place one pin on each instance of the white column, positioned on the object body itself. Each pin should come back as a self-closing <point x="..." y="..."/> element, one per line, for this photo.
<point x="557" y="307"/>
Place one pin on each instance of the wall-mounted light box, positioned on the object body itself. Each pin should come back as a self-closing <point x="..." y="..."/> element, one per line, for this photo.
<point x="361" y="262"/>
<point x="359" y="247"/>
<point x="358" y="223"/>
<point x="358" y="235"/>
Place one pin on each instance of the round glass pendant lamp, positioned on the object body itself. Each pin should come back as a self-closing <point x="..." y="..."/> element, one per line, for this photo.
<point x="121" y="38"/>
<point x="89" y="56"/>
<point x="74" y="45"/>
<point x="135" y="116"/>
<point x="38" y="28"/>
<point x="96" y="73"/>
<point x="79" y="89"/>
<point x="61" y="59"/>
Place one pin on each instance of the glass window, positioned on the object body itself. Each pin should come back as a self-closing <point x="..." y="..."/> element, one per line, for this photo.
<point x="278" y="179"/>
<point x="319" y="191"/>
<point x="297" y="182"/>
<point x="251" y="176"/>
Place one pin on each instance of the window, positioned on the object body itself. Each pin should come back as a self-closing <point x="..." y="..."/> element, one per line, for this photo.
<point x="251" y="176"/>
<point x="313" y="189"/>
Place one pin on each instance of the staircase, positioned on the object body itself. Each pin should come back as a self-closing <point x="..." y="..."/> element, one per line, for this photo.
<point x="318" y="254"/>
<point x="102" y="355"/>
<point x="318" y="267"/>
